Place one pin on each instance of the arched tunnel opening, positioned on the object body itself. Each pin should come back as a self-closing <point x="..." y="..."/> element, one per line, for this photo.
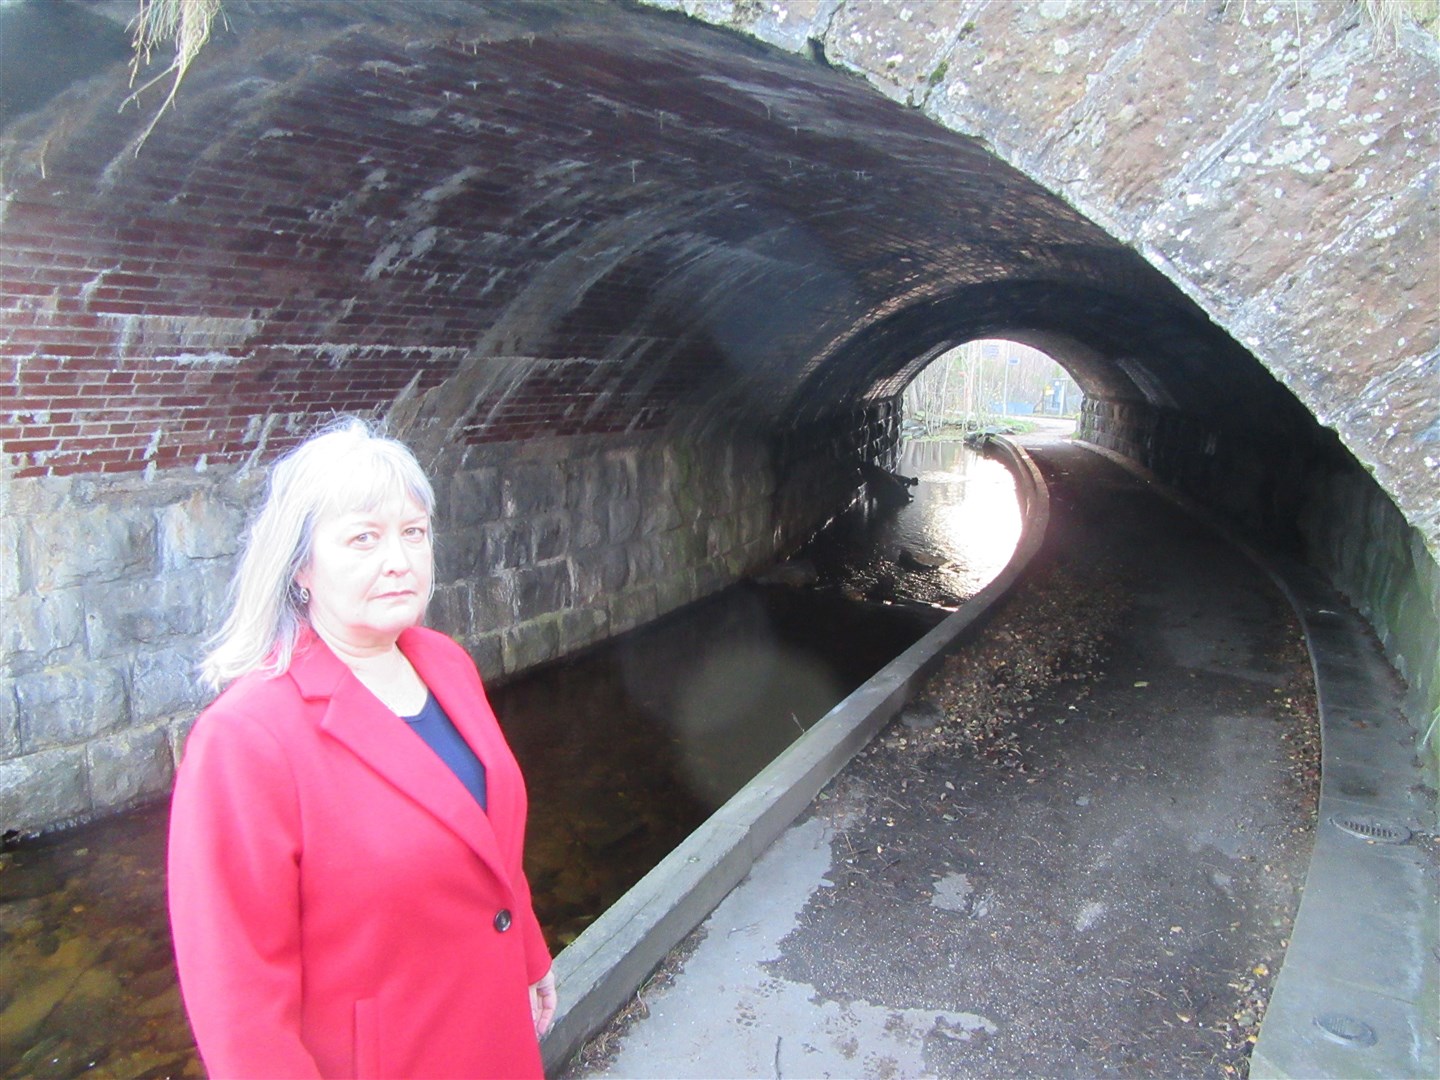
<point x="642" y="292"/>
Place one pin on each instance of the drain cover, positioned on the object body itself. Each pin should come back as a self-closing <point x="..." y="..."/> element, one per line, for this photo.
<point x="1376" y="829"/>
<point x="1346" y="1030"/>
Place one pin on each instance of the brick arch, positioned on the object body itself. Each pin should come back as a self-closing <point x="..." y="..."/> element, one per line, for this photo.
<point x="633" y="285"/>
<point x="1275" y="163"/>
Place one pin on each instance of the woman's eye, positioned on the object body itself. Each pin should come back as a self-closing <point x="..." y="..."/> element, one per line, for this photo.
<point x="416" y="532"/>
<point x="363" y="538"/>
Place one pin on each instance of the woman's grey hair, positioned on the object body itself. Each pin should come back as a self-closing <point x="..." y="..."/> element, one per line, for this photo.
<point x="347" y="465"/>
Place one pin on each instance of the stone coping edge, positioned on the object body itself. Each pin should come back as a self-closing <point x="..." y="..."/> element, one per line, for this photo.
<point x="1356" y="995"/>
<point x="600" y="971"/>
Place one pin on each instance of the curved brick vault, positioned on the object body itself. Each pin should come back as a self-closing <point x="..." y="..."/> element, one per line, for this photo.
<point x="504" y="223"/>
<point x="622" y="225"/>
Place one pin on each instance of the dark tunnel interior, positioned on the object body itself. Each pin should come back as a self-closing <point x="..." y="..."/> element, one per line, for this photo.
<point x="638" y="225"/>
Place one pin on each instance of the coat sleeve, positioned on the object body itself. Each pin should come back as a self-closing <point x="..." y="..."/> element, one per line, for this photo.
<point x="234" y="891"/>
<point x="537" y="953"/>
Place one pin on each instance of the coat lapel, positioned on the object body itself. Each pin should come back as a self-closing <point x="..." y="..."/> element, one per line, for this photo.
<point x="357" y="719"/>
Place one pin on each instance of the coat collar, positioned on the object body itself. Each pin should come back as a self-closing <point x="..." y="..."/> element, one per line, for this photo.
<point x="357" y="719"/>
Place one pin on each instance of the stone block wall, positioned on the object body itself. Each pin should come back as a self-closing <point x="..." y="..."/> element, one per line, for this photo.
<point x="1363" y="543"/>
<point x="109" y="585"/>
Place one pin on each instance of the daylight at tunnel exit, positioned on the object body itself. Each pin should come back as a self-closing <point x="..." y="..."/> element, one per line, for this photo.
<point x="908" y="532"/>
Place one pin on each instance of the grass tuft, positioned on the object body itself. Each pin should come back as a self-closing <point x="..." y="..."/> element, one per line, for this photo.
<point x="1390" y="16"/>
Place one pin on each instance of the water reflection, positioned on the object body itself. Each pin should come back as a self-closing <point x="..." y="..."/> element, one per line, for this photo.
<point x="940" y="549"/>
<point x="87" y="984"/>
<point x="626" y="750"/>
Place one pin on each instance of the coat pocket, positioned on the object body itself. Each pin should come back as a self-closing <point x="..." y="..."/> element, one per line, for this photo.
<point x="367" y="1039"/>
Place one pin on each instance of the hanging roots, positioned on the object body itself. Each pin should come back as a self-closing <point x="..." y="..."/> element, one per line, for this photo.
<point x="186" y="23"/>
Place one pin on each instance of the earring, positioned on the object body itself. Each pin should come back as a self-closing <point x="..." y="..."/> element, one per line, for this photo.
<point x="304" y="596"/>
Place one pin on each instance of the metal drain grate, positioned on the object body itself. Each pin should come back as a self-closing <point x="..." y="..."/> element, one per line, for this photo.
<point x="1346" y="1030"/>
<point x="1378" y="830"/>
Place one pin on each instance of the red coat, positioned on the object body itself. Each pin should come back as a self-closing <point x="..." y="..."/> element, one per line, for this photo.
<point x="341" y="905"/>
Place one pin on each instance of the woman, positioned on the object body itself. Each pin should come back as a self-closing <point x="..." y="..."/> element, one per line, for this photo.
<point x="346" y="890"/>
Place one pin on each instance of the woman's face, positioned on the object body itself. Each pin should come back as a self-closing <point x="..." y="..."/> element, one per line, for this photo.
<point x="369" y="573"/>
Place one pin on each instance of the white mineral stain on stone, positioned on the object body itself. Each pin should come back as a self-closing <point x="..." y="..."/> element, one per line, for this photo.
<point x="1089" y="915"/>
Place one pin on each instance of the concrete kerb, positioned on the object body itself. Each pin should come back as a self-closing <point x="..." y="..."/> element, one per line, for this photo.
<point x="1356" y="995"/>
<point x="602" y="969"/>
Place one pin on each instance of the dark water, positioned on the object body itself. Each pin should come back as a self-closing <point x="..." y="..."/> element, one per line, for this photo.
<point x="625" y="749"/>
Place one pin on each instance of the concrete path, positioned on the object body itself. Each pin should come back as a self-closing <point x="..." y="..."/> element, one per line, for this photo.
<point x="1108" y="910"/>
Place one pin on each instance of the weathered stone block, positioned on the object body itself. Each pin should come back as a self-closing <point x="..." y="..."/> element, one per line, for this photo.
<point x="1017" y="70"/>
<point x="474" y="497"/>
<point x="583" y="484"/>
<point x="647" y="561"/>
<point x="165" y="682"/>
<point x="549" y="537"/>
<point x="533" y="487"/>
<point x="721" y="535"/>
<point x="632" y="608"/>
<point x="461" y="552"/>
<point x="530" y="643"/>
<point x="178" y="731"/>
<point x="129" y="765"/>
<point x="9" y="558"/>
<point x="622" y="519"/>
<point x="9" y="720"/>
<point x="121" y="615"/>
<point x="69" y="704"/>
<point x="660" y="513"/>
<point x="214" y="591"/>
<point x="677" y="550"/>
<point x="47" y="630"/>
<point x="897" y="43"/>
<point x="487" y="650"/>
<point x="753" y="523"/>
<point x="658" y="473"/>
<point x="599" y="572"/>
<point x="674" y="592"/>
<point x="788" y="24"/>
<point x="201" y="527"/>
<point x="75" y="546"/>
<point x="542" y="589"/>
<point x="588" y="529"/>
<point x="619" y="474"/>
<point x="492" y="601"/>
<point x="450" y="611"/>
<point x="580" y="627"/>
<point x="711" y="577"/>
<point x="43" y="789"/>
<point x="507" y="545"/>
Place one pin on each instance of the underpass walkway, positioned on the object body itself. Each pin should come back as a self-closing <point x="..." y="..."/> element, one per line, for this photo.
<point x="1114" y="900"/>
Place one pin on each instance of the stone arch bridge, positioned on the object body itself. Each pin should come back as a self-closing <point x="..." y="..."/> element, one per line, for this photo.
<point x="644" y="291"/>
